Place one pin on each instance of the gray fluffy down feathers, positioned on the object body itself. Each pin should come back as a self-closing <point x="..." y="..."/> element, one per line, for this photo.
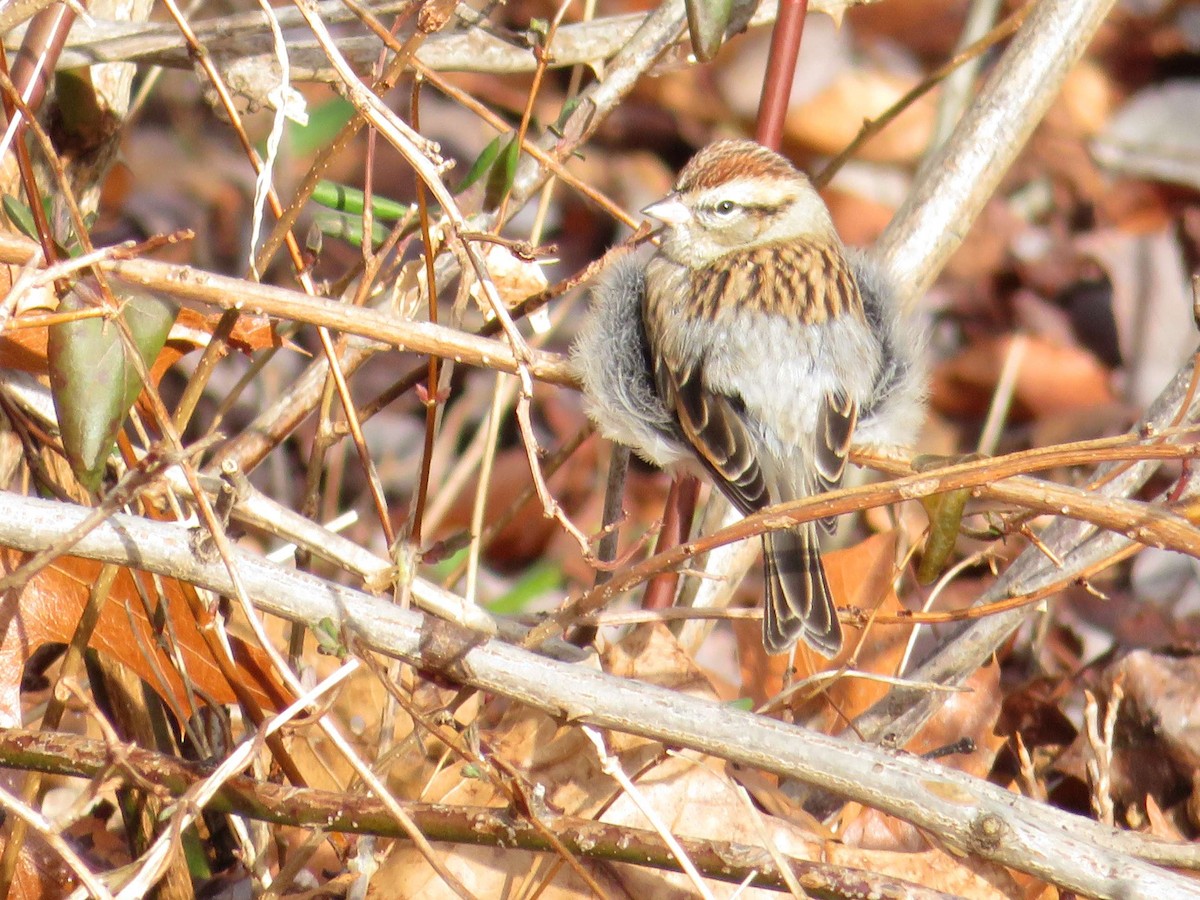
<point x="610" y="357"/>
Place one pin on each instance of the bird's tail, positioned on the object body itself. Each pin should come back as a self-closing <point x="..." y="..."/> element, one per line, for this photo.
<point x="799" y="604"/>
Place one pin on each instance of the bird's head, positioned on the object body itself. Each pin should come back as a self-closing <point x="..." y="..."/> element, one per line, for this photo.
<point x="737" y="195"/>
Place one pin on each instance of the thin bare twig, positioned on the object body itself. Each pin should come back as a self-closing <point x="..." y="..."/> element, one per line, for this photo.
<point x="1152" y="525"/>
<point x="966" y="812"/>
<point x="64" y="754"/>
<point x="467" y="50"/>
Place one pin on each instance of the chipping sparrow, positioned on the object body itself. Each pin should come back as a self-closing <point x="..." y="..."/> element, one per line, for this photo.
<point x="754" y="344"/>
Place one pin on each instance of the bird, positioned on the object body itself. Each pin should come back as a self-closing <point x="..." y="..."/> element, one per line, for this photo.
<point x="754" y="347"/>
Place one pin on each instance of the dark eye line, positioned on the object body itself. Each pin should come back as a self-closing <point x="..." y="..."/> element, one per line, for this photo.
<point x="723" y="207"/>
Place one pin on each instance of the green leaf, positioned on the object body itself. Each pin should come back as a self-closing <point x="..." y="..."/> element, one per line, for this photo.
<point x="314" y="239"/>
<point x="708" y="20"/>
<point x="92" y="379"/>
<point x="537" y="582"/>
<point x="503" y="173"/>
<point x="348" y="227"/>
<point x="351" y="200"/>
<point x="324" y="123"/>
<point x="557" y="126"/>
<point x="481" y="165"/>
<point x="329" y="638"/>
<point x="195" y="852"/>
<point x="446" y="556"/>
<point x="945" y="513"/>
<point x="332" y="195"/>
<point x="62" y="228"/>
<point x="20" y="215"/>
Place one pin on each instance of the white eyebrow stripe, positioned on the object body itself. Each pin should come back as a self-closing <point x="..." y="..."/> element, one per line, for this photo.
<point x="745" y="192"/>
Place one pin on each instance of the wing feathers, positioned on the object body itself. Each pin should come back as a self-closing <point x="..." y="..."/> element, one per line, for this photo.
<point x="713" y="425"/>
<point x="799" y="603"/>
<point x="835" y="428"/>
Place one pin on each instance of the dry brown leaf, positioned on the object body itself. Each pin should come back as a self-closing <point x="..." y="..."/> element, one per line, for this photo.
<point x="967" y="877"/>
<point x="1038" y="890"/>
<point x="24" y="349"/>
<point x="486" y="872"/>
<point x="651" y="654"/>
<point x="696" y="797"/>
<point x="49" y="608"/>
<point x="986" y="249"/>
<point x="925" y="27"/>
<point x="859" y="576"/>
<point x="864" y="575"/>
<point x="1161" y="825"/>
<point x="359" y="704"/>
<point x="192" y="331"/>
<point x="563" y="759"/>
<point x="1137" y="207"/>
<point x="833" y="118"/>
<point x="40" y="874"/>
<point x="859" y="219"/>
<point x="971" y="713"/>
<point x="1033" y="711"/>
<point x="1161" y="699"/>
<point x="1155" y="747"/>
<point x="250" y="333"/>
<point x="99" y="833"/>
<point x="870" y="829"/>
<point x="1052" y="379"/>
<point x="514" y="278"/>
<point x="1151" y="303"/>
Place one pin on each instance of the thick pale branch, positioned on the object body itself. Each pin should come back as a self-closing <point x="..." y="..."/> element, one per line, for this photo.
<point x="960" y="178"/>
<point x="246" y="39"/>
<point x="223" y="292"/>
<point x="967" y="813"/>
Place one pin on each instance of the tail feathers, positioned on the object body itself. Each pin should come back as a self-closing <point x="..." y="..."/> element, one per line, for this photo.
<point x="799" y="604"/>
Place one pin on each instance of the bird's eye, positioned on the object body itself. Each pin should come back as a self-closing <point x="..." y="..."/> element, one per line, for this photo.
<point x="725" y="207"/>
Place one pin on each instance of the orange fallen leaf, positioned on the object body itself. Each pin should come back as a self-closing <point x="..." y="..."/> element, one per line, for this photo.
<point x="1052" y="379"/>
<point x="48" y="610"/>
<point x="859" y="576"/>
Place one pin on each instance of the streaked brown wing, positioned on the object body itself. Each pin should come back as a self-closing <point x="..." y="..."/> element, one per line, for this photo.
<point x="713" y="426"/>
<point x="835" y="430"/>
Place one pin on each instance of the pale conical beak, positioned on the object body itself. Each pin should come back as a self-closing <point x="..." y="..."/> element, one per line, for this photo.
<point x="670" y="210"/>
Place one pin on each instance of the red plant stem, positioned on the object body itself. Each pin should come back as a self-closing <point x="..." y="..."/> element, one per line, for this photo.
<point x="677" y="525"/>
<point x="781" y="67"/>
